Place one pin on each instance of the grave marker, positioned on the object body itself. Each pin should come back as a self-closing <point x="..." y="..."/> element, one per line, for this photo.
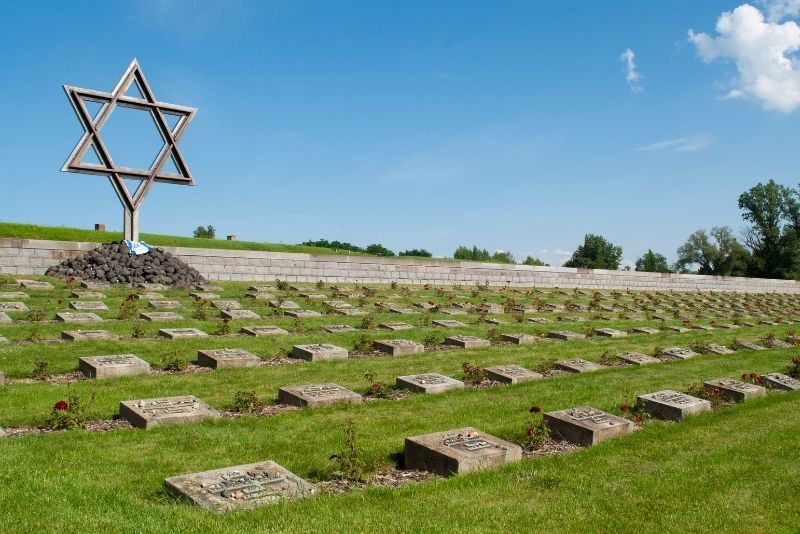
<point x="165" y="304"/>
<point x="395" y="326"/>
<point x="302" y="314"/>
<point x="645" y="330"/>
<point x="112" y="366"/>
<point x="35" y="284"/>
<point x="448" y="323"/>
<point x="511" y="374"/>
<point x="226" y="358"/>
<point x="461" y="450"/>
<point x="314" y="395"/>
<point x="565" y="335"/>
<point x="78" y="317"/>
<point x="781" y="381"/>
<point x="181" y="333"/>
<point x="677" y="353"/>
<point x="672" y="405"/>
<point x="263" y="331"/>
<point x="13" y="307"/>
<point x="610" y="332"/>
<point x="713" y="348"/>
<point x="149" y="413"/>
<point x="149" y="296"/>
<point x="226" y="304"/>
<point x="428" y="383"/>
<point x="160" y="316"/>
<point x="578" y="365"/>
<point x="520" y="339"/>
<point x="586" y="426"/>
<point x="350" y="312"/>
<point x="637" y="358"/>
<point x="95" y="285"/>
<point x="736" y="390"/>
<point x="239" y="487"/>
<point x="319" y="352"/>
<point x="88" y="305"/>
<point x="238" y="314"/>
<point x="85" y="335"/>
<point x="11" y="295"/>
<point x="4" y="318"/>
<point x="338" y="328"/>
<point x="466" y="342"/>
<point x="398" y="347"/>
<point x="284" y="305"/>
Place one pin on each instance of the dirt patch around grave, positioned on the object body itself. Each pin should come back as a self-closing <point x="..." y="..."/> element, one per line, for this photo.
<point x="394" y="395"/>
<point x="106" y="425"/>
<point x="265" y="411"/>
<point x="555" y="372"/>
<point x="553" y="446"/>
<point x="388" y="476"/>
<point x="191" y="368"/>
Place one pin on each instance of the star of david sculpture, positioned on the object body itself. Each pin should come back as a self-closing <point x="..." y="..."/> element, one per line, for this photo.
<point x="92" y="141"/>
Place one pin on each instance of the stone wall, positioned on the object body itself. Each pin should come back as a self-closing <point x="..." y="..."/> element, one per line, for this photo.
<point x="29" y="256"/>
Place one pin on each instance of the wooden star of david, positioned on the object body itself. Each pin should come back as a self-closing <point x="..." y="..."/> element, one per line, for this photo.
<point x="92" y="139"/>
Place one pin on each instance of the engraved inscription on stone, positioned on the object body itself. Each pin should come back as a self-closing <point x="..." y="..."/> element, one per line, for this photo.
<point x="165" y="304"/>
<point x="398" y="347"/>
<point x="301" y="314"/>
<point x="610" y="332"/>
<point x="83" y="335"/>
<point x="313" y="395"/>
<point x="160" y="316"/>
<point x="263" y="331"/>
<point x="456" y="451"/>
<point x="180" y="333"/>
<point x="645" y="330"/>
<point x="238" y="314"/>
<point x="585" y="425"/>
<point x="87" y="305"/>
<point x="781" y="381"/>
<point x="337" y="328"/>
<point x="4" y="318"/>
<point x="565" y="335"/>
<point x="466" y="342"/>
<point x="319" y="352"/>
<point x="637" y="358"/>
<point x="677" y="353"/>
<point x="226" y="304"/>
<point x="13" y="295"/>
<point x="520" y="339"/>
<point x="284" y="304"/>
<point x="78" y="317"/>
<point x="241" y="486"/>
<point x="736" y="390"/>
<point x="672" y="405"/>
<point x="395" y="326"/>
<point x="13" y="307"/>
<point x="577" y="365"/>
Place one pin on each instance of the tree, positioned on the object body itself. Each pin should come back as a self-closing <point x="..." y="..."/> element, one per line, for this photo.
<point x="724" y="257"/>
<point x="416" y="252"/>
<point x="208" y="232"/>
<point x="502" y="256"/>
<point x="474" y="254"/>
<point x="530" y="260"/>
<point x="596" y="253"/>
<point x="377" y="249"/>
<point x="765" y="207"/>
<point x="652" y="262"/>
<point x="335" y="245"/>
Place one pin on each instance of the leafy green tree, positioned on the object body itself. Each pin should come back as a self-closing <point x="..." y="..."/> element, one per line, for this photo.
<point x="652" y="262"/>
<point x="335" y="245"/>
<point x="502" y="256"/>
<point x="417" y="252"/>
<point x="377" y="249"/>
<point x="725" y="256"/>
<point x="766" y="207"/>
<point x="474" y="254"/>
<point x="209" y="232"/>
<point x="530" y="260"/>
<point x="595" y="253"/>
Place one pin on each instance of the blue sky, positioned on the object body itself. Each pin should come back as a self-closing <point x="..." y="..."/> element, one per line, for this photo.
<point x="518" y="126"/>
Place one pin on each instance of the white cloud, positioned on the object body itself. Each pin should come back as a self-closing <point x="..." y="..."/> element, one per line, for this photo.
<point x="764" y="53"/>
<point x="632" y="76"/>
<point x="555" y="257"/>
<point x="778" y="10"/>
<point x="691" y="143"/>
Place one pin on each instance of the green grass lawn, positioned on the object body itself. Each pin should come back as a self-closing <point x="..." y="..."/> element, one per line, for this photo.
<point x="735" y="469"/>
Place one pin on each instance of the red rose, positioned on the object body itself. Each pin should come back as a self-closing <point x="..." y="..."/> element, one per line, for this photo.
<point x="531" y="431"/>
<point x="624" y="408"/>
<point x="61" y="405"/>
<point x="535" y="409"/>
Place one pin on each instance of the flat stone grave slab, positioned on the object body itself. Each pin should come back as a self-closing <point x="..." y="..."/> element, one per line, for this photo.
<point x="586" y="426"/>
<point x="338" y="328"/>
<point x="780" y="381"/>
<point x="350" y="312"/>
<point x="35" y="284"/>
<point x="338" y="304"/>
<point x="85" y="335"/>
<point x="149" y="413"/>
<point x="160" y="316"/>
<point x="238" y="314"/>
<point x="181" y="333"/>
<point x="319" y="352"/>
<point x="3" y="340"/>
<point x="239" y="487"/>
<point x="703" y="327"/>
<point x="452" y="311"/>
<point x="263" y="331"/>
<point x="779" y="344"/>
<point x="520" y="339"/>
<point x="678" y="329"/>
<point x="494" y="309"/>
<point x="260" y="296"/>
<point x="152" y="286"/>
<point x="511" y="374"/>
<point x="78" y="317"/>
<point x="461" y="450"/>
<point x="428" y="383"/>
<point x="737" y="390"/>
<point x="645" y="330"/>
<point x="284" y="305"/>
<point x="728" y="326"/>
<point x="226" y="304"/>
<point x="95" y="285"/>
<point x="13" y="295"/>
<point x="88" y="305"/>
<point x="302" y="314"/>
<point x="578" y="365"/>
<point x="260" y="289"/>
<point x="315" y="395"/>
<point x="4" y="318"/>
<point x="403" y="311"/>
<point x="13" y="307"/>
<point x="398" y="347"/>
<point x="565" y="335"/>
<point x="672" y="406"/>
<point x="637" y="358"/>
<point x="395" y="326"/>
<point x="463" y="305"/>
<point x="112" y="366"/>
<point x="425" y="305"/>
<point x="466" y="342"/>
<point x="447" y="323"/>
<point x="610" y="332"/>
<point x="313" y="296"/>
<point x="494" y="321"/>
<point x="538" y="320"/>
<point x="204" y="296"/>
<point x="164" y="304"/>
<point x="149" y="296"/>
<point x="226" y="358"/>
<point x="713" y="348"/>
<point x="207" y="288"/>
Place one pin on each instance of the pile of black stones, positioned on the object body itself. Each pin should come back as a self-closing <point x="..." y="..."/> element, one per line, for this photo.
<point x="113" y="263"/>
